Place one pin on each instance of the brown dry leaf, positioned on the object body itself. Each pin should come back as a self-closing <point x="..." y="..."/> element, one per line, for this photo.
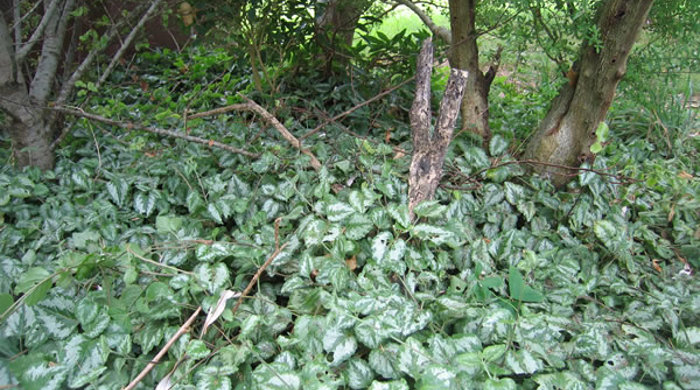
<point x="655" y="264"/>
<point x="672" y="213"/>
<point x="387" y="136"/>
<point x="685" y="175"/>
<point x="398" y="155"/>
<point x="351" y="263"/>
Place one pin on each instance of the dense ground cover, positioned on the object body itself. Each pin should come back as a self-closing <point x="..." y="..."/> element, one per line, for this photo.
<point x="502" y="282"/>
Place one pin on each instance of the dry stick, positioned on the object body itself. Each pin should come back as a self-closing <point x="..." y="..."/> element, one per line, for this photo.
<point x="127" y="42"/>
<point x="256" y="108"/>
<point x="183" y="329"/>
<point x="255" y="278"/>
<point x="169" y="133"/>
<point x="357" y="107"/>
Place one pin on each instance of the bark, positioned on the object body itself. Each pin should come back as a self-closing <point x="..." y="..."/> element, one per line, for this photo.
<point x="568" y="130"/>
<point x="429" y="149"/>
<point x="30" y="125"/>
<point x="464" y="54"/>
<point x="336" y="26"/>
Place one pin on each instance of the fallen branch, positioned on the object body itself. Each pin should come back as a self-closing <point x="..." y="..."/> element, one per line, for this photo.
<point x="255" y="278"/>
<point x="168" y="133"/>
<point x="256" y="108"/>
<point x="183" y="329"/>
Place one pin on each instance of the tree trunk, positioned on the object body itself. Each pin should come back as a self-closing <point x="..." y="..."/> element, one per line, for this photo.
<point x="336" y="26"/>
<point x="568" y="130"/>
<point x="429" y="149"/>
<point x="464" y="54"/>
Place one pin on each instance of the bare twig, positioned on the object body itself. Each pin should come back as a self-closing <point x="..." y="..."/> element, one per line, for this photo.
<point x="255" y="278"/>
<point x="157" y="264"/>
<point x="256" y="108"/>
<point x="183" y="329"/>
<point x="442" y="32"/>
<point x="169" y="133"/>
<point x="127" y="42"/>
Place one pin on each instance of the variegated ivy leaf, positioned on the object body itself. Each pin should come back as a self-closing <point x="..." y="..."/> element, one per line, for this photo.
<point x="435" y="234"/>
<point x="212" y="277"/>
<point x="118" y="190"/>
<point x="145" y="203"/>
<point x="380" y="244"/>
<point x="357" y="227"/>
<point x="429" y="209"/>
<point x="314" y="232"/>
<point x="338" y="211"/>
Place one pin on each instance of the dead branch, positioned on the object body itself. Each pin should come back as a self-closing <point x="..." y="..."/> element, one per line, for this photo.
<point x="429" y="149"/>
<point x="168" y="133"/>
<point x="127" y="42"/>
<point x="183" y="329"/>
<point x="256" y="108"/>
<point x="255" y="278"/>
<point x="439" y="31"/>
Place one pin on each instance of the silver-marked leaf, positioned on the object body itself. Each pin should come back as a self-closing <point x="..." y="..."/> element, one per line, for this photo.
<point x="212" y="277"/>
<point x="430" y="209"/>
<point x="338" y="211"/>
<point x="357" y="227"/>
<point x="380" y="244"/>
<point x="145" y="203"/>
<point x="118" y="190"/>
<point x="435" y="234"/>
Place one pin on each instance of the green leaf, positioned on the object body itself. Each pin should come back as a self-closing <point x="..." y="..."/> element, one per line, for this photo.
<point x="435" y="234"/>
<point x="212" y="378"/>
<point x="197" y="349"/>
<point x="514" y="193"/>
<point x="36" y="373"/>
<point x="429" y="209"/>
<point x="357" y="227"/>
<point x="212" y="277"/>
<point x="500" y="384"/>
<point x="118" y="190"/>
<point x="518" y="290"/>
<point x="498" y="145"/>
<point x="359" y="374"/>
<point x="215" y="213"/>
<point x="338" y="211"/>
<point x="602" y="132"/>
<point x="522" y="362"/>
<point x="392" y="385"/>
<point x="493" y="353"/>
<point x="38" y="293"/>
<point x="469" y="363"/>
<point x="194" y="202"/>
<point x="168" y="224"/>
<point x="6" y="301"/>
<point x="30" y="278"/>
<point x="380" y="244"/>
<point x="144" y="204"/>
<point x="384" y="361"/>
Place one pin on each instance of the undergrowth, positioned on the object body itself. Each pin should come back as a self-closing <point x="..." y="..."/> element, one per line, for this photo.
<point x="511" y="283"/>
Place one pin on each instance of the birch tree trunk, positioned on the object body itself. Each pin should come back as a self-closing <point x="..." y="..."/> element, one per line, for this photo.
<point x="568" y="130"/>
